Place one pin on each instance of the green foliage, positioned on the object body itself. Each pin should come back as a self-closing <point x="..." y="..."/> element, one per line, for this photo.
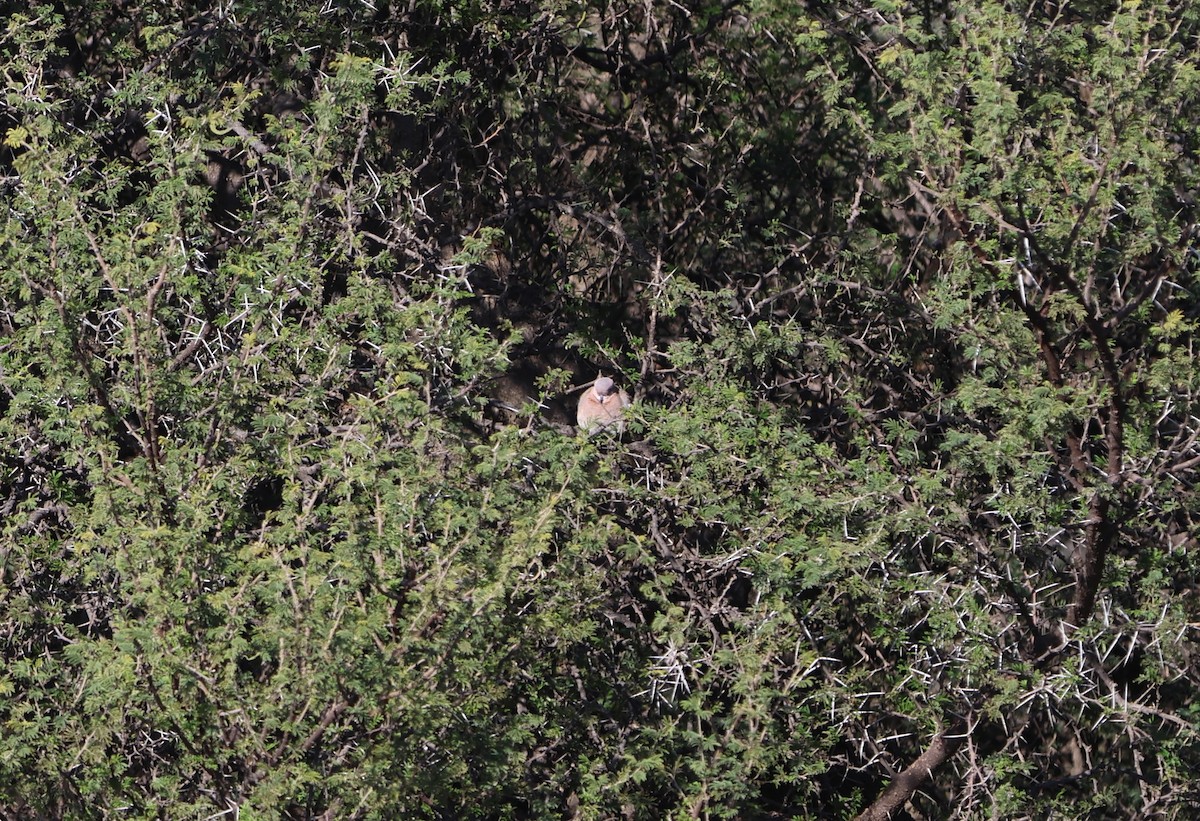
<point x="906" y="296"/>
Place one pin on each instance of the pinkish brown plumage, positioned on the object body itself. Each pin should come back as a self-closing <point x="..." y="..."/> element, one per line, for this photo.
<point x="601" y="406"/>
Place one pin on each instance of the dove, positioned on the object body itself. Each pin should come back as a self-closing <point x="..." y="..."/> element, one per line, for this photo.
<point x="601" y="407"/>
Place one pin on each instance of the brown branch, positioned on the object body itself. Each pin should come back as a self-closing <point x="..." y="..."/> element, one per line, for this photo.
<point x="1100" y="532"/>
<point x="180" y="359"/>
<point x="903" y="786"/>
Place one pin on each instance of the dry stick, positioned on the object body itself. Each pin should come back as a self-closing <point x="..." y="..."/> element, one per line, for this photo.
<point x="656" y="282"/>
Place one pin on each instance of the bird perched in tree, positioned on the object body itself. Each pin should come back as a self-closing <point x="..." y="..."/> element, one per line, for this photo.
<point x="601" y="407"/>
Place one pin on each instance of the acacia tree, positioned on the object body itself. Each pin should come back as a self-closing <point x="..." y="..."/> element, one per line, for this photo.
<point x="1046" y="161"/>
<point x="1073" y="209"/>
<point x="908" y="295"/>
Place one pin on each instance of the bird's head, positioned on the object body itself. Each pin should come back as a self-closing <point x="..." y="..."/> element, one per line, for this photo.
<point x="604" y="388"/>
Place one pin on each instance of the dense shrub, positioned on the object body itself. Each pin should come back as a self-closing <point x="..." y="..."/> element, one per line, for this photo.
<point x="294" y="298"/>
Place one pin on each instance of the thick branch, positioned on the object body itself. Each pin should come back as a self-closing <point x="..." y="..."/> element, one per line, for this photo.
<point x="904" y="785"/>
